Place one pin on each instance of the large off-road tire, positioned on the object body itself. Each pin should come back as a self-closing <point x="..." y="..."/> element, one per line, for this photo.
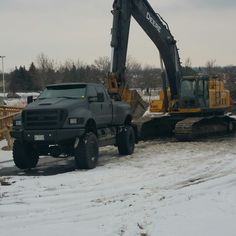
<point x="86" y="153"/>
<point x="126" y="140"/>
<point x="24" y="155"/>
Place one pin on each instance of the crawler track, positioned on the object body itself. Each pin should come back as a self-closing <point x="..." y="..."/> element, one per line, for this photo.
<point x="199" y="127"/>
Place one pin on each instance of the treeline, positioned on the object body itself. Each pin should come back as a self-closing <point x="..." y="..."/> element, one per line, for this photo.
<point x="46" y="71"/>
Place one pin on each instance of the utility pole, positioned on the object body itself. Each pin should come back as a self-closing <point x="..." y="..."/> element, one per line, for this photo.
<point x="3" y="76"/>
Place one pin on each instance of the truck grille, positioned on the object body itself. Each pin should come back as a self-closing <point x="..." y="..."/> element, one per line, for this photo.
<point x="43" y="119"/>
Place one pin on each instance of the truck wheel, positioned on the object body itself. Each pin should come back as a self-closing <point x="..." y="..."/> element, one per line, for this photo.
<point x="86" y="154"/>
<point x="24" y="155"/>
<point x="126" y="141"/>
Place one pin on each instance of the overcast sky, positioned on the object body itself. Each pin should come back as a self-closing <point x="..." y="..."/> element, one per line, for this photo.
<point x="72" y="29"/>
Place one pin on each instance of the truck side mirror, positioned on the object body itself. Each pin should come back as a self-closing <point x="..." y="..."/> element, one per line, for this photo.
<point x="100" y="97"/>
<point x="29" y="99"/>
<point x="92" y="99"/>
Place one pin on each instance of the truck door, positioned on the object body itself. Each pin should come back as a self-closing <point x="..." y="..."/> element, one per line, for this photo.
<point x="94" y="106"/>
<point x="106" y="107"/>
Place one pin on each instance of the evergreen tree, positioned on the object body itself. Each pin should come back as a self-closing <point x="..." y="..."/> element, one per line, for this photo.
<point x="33" y="74"/>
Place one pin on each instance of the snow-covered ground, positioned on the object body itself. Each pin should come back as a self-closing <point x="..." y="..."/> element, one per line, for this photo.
<point x="165" y="188"/>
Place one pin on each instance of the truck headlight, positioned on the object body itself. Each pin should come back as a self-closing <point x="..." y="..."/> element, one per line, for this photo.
<point x="73" y="121"/>
<point x="18" y="123"/>
<point x="76" y="121"/>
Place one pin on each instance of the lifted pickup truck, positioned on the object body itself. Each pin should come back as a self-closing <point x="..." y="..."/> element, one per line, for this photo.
<point x="73" y="119"/>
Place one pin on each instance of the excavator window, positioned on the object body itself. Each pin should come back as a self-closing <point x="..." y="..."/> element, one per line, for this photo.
<point x="194" y="93"/>
<point x="188" y="93"/>
<point x="202" y="93"/>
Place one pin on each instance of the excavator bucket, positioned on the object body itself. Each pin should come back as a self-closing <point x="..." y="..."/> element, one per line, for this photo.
<point x="138" y="105"/>
<point x="147" y="126"/>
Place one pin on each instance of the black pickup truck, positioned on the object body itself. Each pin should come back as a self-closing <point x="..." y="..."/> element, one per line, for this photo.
<point x="72" y="119"/>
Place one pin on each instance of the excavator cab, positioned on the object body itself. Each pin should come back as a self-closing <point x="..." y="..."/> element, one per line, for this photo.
<point x="193" y="96"/>
<point x="194" y="92"/>
<point x="197" y="94"/>
<point x="204" y="93"/>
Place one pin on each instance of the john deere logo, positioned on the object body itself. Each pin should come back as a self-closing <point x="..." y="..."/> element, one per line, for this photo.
<point x="153" y="22"/>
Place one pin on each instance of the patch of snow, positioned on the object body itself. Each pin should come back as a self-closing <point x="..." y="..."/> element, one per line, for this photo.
<point x="19" y="102"/>
<point x="165" y="188"/>
<point x="5" y="156"/>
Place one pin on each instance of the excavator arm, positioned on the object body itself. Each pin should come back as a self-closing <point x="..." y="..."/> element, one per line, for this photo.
<point x="157" y="30"/>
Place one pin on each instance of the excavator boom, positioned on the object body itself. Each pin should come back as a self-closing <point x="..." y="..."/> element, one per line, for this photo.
<point x="157" y="30"/>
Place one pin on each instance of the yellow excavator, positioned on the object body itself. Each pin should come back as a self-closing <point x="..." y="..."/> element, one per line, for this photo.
<point x="189" y="107"/>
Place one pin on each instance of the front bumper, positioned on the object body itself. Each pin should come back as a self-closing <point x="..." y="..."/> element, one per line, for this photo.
<point x="48" y="136"/>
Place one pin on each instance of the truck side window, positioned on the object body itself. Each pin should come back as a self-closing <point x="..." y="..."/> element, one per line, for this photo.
<point x="91" y="91"/>
<point x="101" y="90"/>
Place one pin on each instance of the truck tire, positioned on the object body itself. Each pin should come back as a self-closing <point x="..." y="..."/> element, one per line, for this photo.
<point x="24" y="155"/>
<point x="126" y="141"/>
<point x="86" y="154"/>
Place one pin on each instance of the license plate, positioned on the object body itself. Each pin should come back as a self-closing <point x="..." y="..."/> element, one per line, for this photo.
<point x="39" y="137"/>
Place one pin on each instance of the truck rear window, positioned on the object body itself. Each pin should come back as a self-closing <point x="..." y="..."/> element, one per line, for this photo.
<point x="64" y="91"/>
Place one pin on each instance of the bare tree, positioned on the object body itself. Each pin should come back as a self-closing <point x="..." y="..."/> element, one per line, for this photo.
<point x="80" y="64"/>
<point x="187" y="69"/>
<point x="46" y="67"/>
<point x="44" y="63"/>
<point x="102" y="64"/>
<point x="69" y="64"/>
<point x="132" y="64"/>
<point x="211" y="67"/>
<point x="188" y="63"/>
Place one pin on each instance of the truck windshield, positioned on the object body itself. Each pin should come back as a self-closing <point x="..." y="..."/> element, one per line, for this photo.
<point x="64" y="91"/>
